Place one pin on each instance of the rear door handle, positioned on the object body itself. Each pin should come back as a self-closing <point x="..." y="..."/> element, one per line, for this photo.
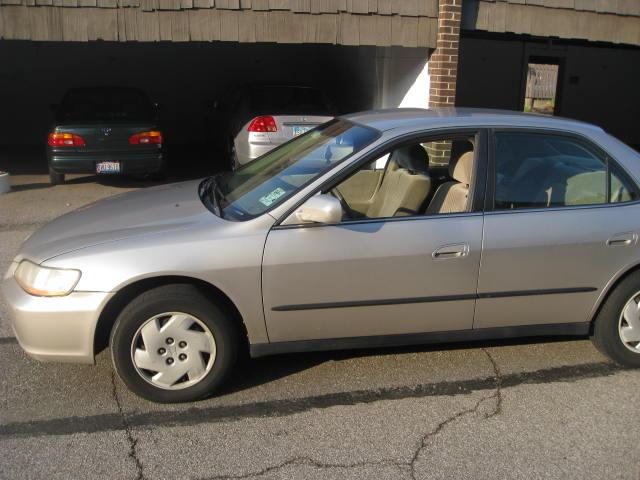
<point x="623" y="239"/>
<point x="456" y="250"/>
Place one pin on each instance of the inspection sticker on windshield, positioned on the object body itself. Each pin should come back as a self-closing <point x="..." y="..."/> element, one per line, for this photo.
<point x="272" y="197"/>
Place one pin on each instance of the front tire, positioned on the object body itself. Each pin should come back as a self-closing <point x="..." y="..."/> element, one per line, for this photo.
<point x="172" y="344"/>
<point x="616" y="332"/>
<point x="55" y="178"/>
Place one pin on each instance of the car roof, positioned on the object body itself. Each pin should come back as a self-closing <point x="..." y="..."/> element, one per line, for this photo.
<point x="421" y="119"/>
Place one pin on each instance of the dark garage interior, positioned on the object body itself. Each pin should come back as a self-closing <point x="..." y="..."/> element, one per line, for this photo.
<point x="183" y="78"/>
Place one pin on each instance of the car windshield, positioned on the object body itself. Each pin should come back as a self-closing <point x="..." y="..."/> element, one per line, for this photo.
<point x="269" y="180"/>
<point x="106" y="104"/>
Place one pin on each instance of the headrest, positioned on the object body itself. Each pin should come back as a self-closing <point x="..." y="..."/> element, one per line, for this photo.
<point x="460" y="169"/>
<point x="412" y="157"/>
<point x="334" y="153"/>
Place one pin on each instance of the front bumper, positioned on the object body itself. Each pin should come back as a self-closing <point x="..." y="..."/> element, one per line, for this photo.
<point x="54" y="329"/>
<point x="130" y="163"/>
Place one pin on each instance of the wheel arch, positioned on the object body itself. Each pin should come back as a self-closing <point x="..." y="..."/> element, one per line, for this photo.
<point x="114" y="306"/>
<point x="616" y="280"/>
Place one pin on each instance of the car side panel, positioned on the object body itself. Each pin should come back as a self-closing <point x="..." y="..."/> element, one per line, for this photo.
<point x="230" y="261"/>
<point x="367" y="279"/>
<point x="528" y="253"/>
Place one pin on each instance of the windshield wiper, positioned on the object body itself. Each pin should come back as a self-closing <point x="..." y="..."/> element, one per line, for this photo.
<point x="216" y="195"/>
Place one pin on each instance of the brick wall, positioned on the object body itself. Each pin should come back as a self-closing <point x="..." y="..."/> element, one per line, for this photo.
<point x="443" y="63"/>
<point x="443" y="70"/>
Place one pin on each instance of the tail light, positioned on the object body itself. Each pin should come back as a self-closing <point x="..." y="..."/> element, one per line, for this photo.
<point x="145" y="138"/>
<point x="265" y="123"/>
<point x="65" y="140"/>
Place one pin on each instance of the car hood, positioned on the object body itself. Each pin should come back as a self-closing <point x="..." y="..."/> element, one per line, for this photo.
<point x="143" y="212"/>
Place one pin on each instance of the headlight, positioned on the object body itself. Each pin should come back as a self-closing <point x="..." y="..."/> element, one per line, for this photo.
<point x="45" y="281"/>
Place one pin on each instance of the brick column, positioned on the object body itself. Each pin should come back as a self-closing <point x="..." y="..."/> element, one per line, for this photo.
<point x="443" y="63"/>
<point x="443" y="70"/>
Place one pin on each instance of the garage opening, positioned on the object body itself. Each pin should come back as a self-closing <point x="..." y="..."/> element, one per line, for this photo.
<point x="186" y="80"/>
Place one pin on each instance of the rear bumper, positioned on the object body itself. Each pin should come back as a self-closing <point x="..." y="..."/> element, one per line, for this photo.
<point x="251" y="151"/>
<point x="130" y="163"/>
<point x="54" y="329"/>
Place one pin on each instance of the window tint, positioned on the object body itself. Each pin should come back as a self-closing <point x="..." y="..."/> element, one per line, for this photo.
<point x="539" y="170"/>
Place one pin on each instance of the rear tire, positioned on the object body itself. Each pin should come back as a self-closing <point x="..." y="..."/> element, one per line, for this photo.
<point x="618" y="323"/>
<point x="55" y="178"/>
<point x="182" y="303"/>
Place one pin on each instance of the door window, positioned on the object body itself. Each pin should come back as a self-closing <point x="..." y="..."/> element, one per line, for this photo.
<point x="416" y="179"/>
<point x="540" y="171"/>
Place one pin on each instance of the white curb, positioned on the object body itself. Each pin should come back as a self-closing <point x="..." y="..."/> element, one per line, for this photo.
<point x="4" y="183"/>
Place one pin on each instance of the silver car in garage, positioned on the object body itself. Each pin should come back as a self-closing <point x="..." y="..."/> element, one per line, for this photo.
<point x="378" y="228"/>
<point x="256" y="118"/>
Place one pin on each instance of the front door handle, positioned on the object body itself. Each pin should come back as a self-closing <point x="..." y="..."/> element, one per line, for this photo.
<point x="623" y="239"/>
<point x="456" y="250"/>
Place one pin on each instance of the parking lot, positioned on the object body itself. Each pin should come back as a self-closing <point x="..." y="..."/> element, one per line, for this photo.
<point x="552" y="408"/>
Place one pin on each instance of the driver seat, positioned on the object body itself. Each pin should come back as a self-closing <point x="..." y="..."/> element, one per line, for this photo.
<point x="405" y="186"/>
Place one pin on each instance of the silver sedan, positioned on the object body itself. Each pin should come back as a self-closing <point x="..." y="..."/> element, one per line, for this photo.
<point x="379" y="228"/>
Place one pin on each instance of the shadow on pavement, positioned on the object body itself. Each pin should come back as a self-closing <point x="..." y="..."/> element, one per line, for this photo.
<point x="255" y="372"/>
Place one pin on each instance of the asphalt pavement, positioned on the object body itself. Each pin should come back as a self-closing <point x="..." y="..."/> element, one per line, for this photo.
<point x="534" y="408"/>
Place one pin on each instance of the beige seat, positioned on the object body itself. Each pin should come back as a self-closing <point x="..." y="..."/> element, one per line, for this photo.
<point x="453" y="196"/>
<point x="405" y="186"/>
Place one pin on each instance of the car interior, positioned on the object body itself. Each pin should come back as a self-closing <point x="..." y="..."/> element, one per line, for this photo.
<point x="535" y="171"/>
<point x="405" y="182"/>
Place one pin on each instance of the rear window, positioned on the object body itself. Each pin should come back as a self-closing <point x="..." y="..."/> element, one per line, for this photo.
<point x="105" y="104"/>
<point x="287" y="99"/>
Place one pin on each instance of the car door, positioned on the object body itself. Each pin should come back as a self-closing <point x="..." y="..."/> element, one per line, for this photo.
<point x="374" y="277"/>
<point x="557" y="231"/>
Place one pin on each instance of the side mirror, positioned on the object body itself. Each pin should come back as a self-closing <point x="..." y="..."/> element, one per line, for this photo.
<point x="320" y="209"/>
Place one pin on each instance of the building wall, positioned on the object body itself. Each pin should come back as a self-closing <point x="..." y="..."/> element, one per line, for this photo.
<point x="489" y="73"/>
<point x="604" y="89"/>
<point x="403" y="78"/>
<point x="614" y="21"/>
<point x="353" y="22"/>
<point x="599" y="84"/>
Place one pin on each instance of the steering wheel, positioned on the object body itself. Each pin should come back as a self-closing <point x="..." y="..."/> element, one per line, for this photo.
<point x="348" y="211"/>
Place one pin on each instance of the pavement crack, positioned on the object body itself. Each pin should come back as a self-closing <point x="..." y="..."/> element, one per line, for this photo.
<point x="131" y="440"/>
<point x="497" y="409"/>
<point x="497" y="394"/>
<point x="309" y="462"/>
<point x="423" y="443"/>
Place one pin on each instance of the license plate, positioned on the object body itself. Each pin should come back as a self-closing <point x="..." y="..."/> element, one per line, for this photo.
<point x="300" y="129"/>
<point x="108" y="167"/>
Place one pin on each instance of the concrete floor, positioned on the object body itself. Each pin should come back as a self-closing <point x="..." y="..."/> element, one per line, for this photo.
<point x="523" y="409"/>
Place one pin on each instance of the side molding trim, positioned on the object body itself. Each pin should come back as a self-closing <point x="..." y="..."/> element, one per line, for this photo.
<point x="470" y="335"/>
<point x="445" y="298"/>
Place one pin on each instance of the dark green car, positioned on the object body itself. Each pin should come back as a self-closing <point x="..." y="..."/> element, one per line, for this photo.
<point x="106" y="131"/>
